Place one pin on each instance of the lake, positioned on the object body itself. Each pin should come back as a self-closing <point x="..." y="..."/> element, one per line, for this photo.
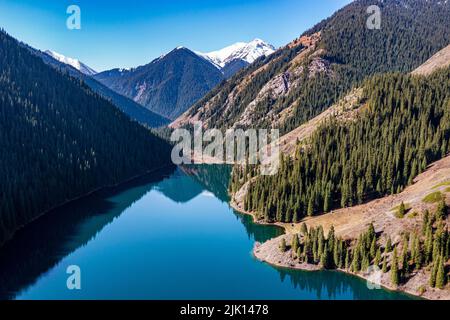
<point x="169" y="235"/>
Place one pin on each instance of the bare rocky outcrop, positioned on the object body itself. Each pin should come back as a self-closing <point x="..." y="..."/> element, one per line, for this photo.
<point x="438" y="61"/>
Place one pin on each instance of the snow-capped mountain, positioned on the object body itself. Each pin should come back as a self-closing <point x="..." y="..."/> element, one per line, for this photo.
<point x="72" y="62"/>
<point x="247" y="52"/>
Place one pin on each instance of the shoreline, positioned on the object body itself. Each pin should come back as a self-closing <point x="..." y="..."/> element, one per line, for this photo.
<point x="80" y="197"/>
<point x="269" y="253"/>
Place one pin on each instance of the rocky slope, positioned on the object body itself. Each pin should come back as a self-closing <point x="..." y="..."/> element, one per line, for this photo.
<point x="308" y="75"/>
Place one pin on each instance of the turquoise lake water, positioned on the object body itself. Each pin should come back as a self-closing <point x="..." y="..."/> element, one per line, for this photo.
<point x="170" y="235"/>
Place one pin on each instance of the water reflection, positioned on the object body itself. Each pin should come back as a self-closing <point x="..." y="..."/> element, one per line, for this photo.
<point x="150" y="232"/>
<point x="39" y="246"/>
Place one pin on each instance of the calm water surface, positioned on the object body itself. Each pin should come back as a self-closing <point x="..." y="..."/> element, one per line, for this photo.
<point x="171" y="235"/>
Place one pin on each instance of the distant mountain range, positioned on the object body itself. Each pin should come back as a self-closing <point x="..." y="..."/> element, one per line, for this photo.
<point x="241" y="54"/>
<point x="168" y="85"/>
<point x="302" y="79"/>
<point x="172" y="83"/>
<point x="79" y="70"/>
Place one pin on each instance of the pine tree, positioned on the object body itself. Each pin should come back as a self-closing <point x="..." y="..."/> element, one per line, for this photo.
<point x="441" y="211"/>
<point x="440" y="274"/>
<point x="283" y="246"/>
<point x="384" y="268"/>
<point x="433" y="275"/>
<point x="418" y="255"/>
<point x="388" y="244"/>
<point x="377" y="257"/>
<point x="402" y="210"/>
<point x="373" y="248"/>
<point x="394" y="269"/>
<point x="325" y="257"/>
<point x="310" y="207"/>
<point x="426" y="221"/>
<point x="295" y="243"/>
<point x="347" y="259"/>
<point x="304" y="229"/>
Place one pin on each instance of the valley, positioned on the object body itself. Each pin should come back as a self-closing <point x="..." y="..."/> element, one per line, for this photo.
<point x="358" y="207"/>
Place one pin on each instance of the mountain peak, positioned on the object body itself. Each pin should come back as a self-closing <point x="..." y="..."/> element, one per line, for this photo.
<point x="72" y="62"/>
<point x="247" y="51"/>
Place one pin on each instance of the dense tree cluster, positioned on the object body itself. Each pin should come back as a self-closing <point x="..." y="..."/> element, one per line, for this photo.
<point x="330" y="252"/>
<point x="405" y="125"/>
<point x="429" y="248"/>
<point x="410" y="33"/>
<point x="59" y="140"/>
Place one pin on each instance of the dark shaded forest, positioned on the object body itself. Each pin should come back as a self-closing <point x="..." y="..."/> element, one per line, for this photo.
<point x="59" y="140"/>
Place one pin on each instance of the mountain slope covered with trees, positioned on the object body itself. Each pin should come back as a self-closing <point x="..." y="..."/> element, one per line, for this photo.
<point x="134" y="110"/>
<point x="404" y="127"/>
<point x="60" y="140"/>
<point x="168" y="85"/>
<point x="310" y="74"/>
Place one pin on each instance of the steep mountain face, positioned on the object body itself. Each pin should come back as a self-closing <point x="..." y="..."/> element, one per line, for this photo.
<point x="71" y="62"/>
<point x="60" y="140"/>
<point x="134" y="110"/>
<point x="237" y="56"/>
<point x="403" y="127"/>
<point x="307" y="76"/>
<point x="168" y="85"/>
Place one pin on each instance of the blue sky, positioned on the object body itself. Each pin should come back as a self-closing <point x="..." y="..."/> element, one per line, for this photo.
<point x="133" y="32"/>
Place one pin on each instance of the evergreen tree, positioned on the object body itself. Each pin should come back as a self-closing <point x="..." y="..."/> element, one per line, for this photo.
<point x="395" y="278"/>
<point x="283" y="246"/>
<point x="377" y="257"/>
<point x="441" y="211"/>
<point x="304" y="229"/>
<point x="295" y="243"/>
<point x="440" y="274"/>
<point x="384" y="268"/>
<point x="388" y="245"/>
<point x="401" y="210"/>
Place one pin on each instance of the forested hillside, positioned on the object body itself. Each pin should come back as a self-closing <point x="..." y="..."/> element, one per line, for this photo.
<point x="168" y="85"/>
<point x="59" y="140"/>
<point x="310" y="74"/>
<point x="405" y="126"/>
<point x="134" y="110"/>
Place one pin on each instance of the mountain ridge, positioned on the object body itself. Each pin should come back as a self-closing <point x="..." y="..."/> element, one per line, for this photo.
<point x="75" y="63"/>
<point x="134" y="110"/>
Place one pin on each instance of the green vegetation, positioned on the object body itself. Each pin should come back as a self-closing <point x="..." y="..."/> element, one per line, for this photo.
<point x="415" y="251"/>
<point x="283" y="246"/>
<point x="433" y="197"/>
<point x="409" y="36"/>
<point x="404" y="129"/>
<point x="401" y="211"/>
<point x="407" y="207"/>
<point x="413" y="214"/>
<point x="442" y="184"/>
<point x="59" y="140"/>
<point x="351" y="53"/>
